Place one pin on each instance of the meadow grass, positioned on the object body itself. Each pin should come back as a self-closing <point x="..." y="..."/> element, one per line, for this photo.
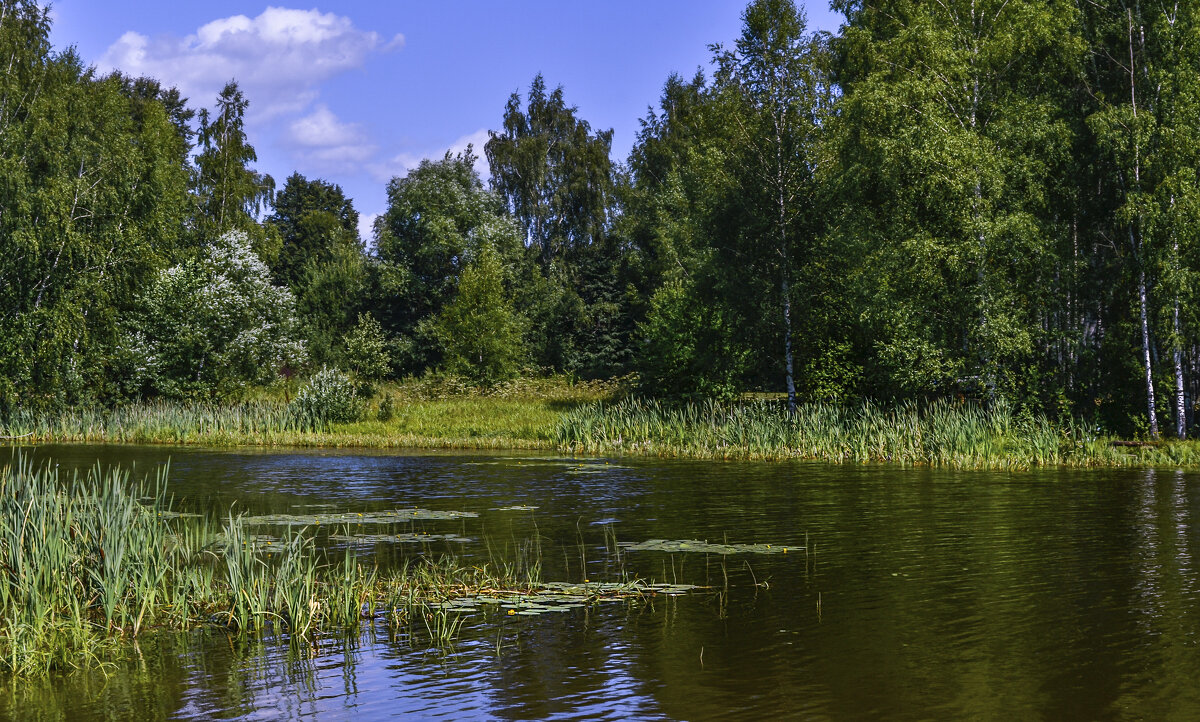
<point x="426" y="413"/>
<point x="940" y="433"/>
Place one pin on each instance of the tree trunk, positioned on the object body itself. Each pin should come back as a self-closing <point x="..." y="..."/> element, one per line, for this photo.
<point x="1137" y="243"/>
<point x="785" y="274"/>
<point x="786" y="289"/>
<point x="1146" y="356"/>
<point x="1180" y="408"/>
<point x="787" y="340"/>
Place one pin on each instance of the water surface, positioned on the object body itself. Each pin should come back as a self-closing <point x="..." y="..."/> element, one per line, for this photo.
<point x="926" y="594"/>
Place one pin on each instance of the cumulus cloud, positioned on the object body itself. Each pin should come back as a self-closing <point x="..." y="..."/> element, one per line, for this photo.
<point x="279" y="58"/>
<point x="401" y="163"/>
<point x="324" y="142"/>
<point x="366" y="227"/>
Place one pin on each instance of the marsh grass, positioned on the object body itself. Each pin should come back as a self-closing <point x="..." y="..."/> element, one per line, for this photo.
<point x="940" y="433"/>
<point x="439" y="412"/>
<point x="91" y="563"/>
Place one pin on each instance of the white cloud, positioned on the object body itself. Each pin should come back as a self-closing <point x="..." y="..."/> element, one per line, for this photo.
<point x="322" y="141"/>
<point x="366" y="228"/>
<point x="279" y="58"/>
<point x="401" y="163"/>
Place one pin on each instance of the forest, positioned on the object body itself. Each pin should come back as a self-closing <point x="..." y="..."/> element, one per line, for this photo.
<point x="994" y="201"/>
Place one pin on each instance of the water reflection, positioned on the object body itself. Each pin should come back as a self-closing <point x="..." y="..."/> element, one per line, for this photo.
<point x="1065" y="595"/>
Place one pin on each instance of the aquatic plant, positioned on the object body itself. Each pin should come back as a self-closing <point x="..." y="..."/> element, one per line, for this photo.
<point x="88" y="563"/>
<point x="939" y="433"/>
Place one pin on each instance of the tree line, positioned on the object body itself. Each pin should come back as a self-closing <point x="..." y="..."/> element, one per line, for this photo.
<point x="986" y="199"/>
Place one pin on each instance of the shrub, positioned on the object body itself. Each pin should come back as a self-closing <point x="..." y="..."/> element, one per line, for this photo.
<point x="387" y="408"/>
<point x="329" y="397"/>
<point x="212" y="325"/>
<point x="366" y="349"/>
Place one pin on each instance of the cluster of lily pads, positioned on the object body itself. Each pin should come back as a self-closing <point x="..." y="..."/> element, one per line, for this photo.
<point x="404" y="538"/>
<point x="703" y="547"/>
<point x="558" y="597"/>
<point x="393" y="516"/>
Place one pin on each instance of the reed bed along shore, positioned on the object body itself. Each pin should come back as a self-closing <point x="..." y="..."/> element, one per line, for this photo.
<point x="940" y="433"/>
<point x="88" y="564"/>
<point x="600" y="419"/>
<point x="466" y="423"/>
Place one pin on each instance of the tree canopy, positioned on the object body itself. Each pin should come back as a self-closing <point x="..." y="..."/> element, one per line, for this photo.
<point x="989" y="199"/>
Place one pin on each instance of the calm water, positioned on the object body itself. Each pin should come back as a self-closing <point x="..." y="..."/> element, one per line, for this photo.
<point x="930" y="595"/>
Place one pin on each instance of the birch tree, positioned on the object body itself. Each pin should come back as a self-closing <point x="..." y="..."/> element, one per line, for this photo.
<point x="954" y="125"/>
<point x="777" y="71"/>
<point x="1146" y="78"/>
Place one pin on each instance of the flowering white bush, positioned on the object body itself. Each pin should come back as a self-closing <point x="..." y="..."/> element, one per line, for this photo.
<point x="214" y="324"/>
<point x="329" y="397"/>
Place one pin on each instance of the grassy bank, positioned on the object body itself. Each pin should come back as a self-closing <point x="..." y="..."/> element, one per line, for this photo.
<point x="417" y="414"/>
<point x="89" y="564"/>
<point x="599" y="418"/>
<point x="942" y="433"/>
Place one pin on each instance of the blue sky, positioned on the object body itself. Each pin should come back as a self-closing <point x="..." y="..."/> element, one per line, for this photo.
<point x="357" y="91"/>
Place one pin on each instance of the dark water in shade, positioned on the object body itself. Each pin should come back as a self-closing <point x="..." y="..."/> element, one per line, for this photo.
<point x="931" y="595"/>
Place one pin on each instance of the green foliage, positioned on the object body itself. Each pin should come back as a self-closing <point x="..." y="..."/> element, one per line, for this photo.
<point x="687" y="353"/>
<point x="366" y="349"/>
<point x="387" y="409"/>
<point x="966" y="109"/>
<point x="777" y="85"/>
<point x="314" y="219"/>
<point x="557" y="180"/>
<point x="940" y="433"/>
<point x="330" y="294"/>
<point x="329" y="397"/>
<point x="554" y="174"/>
<point x="231" y="193"/>
<point x="112" y="560"/>
<point x="479" y="330"/>
<point x="94" y="201"/>
<point x="993" y="199"/>
<point x="438" y="216"/>
<point x="212" y="326"/>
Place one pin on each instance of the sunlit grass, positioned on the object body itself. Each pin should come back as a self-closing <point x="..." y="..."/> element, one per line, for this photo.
<point x="942" y="433"/>
<point x="598" y="418"/>
<point x="436" y="413"/>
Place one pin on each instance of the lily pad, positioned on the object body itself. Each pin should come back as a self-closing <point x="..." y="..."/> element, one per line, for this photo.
<point x="407" y="538"/>
<point x="394" y="516"/>
<point x="168" y="514"/>
<point x="695" y="545"/>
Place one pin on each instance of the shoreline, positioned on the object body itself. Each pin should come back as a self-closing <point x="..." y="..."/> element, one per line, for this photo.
<point x="572" y="421"/>
<point x="1107" y="453"/>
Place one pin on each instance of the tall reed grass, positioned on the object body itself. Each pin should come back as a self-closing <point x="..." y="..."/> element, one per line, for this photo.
<point x="89" y="562"/>
<point x="158" y="421"/>
<point x="939" y="433"/>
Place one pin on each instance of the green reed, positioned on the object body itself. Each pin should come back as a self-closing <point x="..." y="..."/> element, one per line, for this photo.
<point x="939" y="433"/>
<point x="89" y="562"/>
<point x="158" y="421"/>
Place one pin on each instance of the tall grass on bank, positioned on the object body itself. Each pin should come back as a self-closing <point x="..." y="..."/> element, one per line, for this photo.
<point x="89" y="563"/>
<point x="439" y="412"/>
<point x="940" y="433"/>
<point x="158" y="421"/>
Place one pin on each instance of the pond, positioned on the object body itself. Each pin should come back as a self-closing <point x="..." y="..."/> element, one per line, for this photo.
<point x="904" y="594"/>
